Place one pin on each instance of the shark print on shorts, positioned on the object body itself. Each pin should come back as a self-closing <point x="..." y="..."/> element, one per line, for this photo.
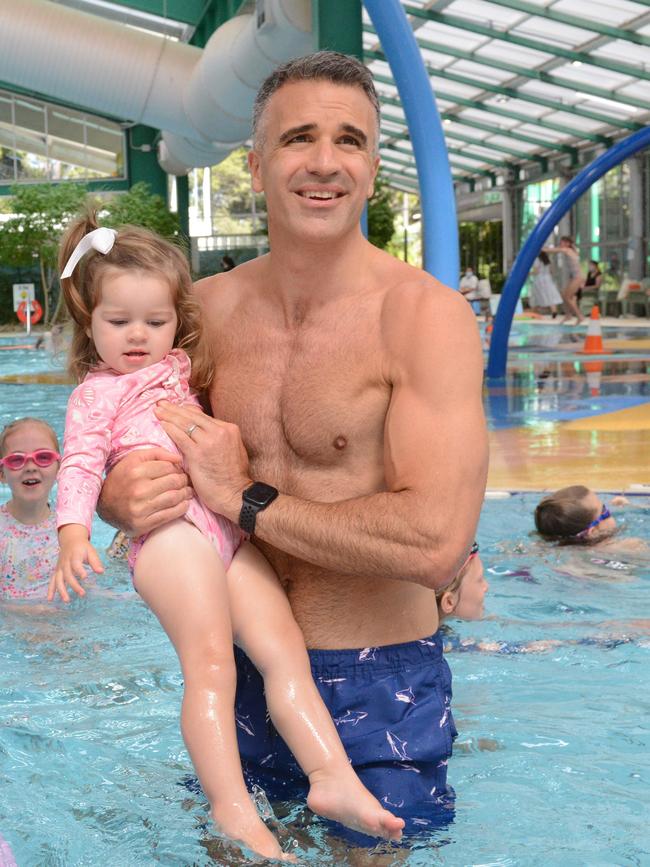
<point x="392" y="710"/>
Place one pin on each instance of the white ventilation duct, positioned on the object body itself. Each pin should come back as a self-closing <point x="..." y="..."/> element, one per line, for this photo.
<point x="201" y="100"/>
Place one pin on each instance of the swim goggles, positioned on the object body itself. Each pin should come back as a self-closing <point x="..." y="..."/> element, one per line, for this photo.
<point x="455" y="582"/>
<point x="604" y="515"/>
<point x="41" y="457"/>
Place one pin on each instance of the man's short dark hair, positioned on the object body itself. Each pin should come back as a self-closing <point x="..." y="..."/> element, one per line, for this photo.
<point x="321" y="66"/>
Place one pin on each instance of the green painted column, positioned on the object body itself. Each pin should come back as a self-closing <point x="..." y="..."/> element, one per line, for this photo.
<point x="143" y="161"/>
<point x="183" y="203"/>
<point x="336" y="25"/>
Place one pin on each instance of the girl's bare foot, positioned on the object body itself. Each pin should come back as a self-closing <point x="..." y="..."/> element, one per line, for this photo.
<point x="343" y="798"/>
<point x="241" y="824"/>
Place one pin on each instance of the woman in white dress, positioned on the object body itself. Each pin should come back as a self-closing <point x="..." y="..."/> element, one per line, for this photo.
<point x="544" y="292"/>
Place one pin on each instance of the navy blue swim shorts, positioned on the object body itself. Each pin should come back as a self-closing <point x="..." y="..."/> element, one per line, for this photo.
<point x="392" y="709"/>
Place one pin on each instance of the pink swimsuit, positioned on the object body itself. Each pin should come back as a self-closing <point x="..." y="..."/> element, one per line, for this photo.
<point x="110" y="415"/>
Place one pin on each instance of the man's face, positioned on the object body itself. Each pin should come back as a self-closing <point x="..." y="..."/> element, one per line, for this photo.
<point x="316" y="162"/>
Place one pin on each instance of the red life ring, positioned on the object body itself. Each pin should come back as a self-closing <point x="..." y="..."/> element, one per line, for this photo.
<point x="37" y="312"/>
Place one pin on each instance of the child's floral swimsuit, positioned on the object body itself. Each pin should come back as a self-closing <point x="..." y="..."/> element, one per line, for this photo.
<point x="28" y="556"/>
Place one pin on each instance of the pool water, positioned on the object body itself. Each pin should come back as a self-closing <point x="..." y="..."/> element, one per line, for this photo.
<point x="551" y="766"/>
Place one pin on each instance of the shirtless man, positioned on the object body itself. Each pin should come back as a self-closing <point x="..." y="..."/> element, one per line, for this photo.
<point x="338" y="384"/>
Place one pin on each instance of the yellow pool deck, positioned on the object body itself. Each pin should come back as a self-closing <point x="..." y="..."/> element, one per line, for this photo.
<point x="608" y="452"/>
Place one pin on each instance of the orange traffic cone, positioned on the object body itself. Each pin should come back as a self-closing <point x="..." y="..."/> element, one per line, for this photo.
<point x="488" y="335"/>
<point x="594" y="340"/>
<point x="594" y="371"/>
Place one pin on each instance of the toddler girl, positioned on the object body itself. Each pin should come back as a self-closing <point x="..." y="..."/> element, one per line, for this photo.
<point x="136" y="325"/>
<point x="29" y="547"/>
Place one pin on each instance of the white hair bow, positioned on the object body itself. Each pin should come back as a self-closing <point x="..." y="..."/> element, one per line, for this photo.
<point x="101" y="239"/>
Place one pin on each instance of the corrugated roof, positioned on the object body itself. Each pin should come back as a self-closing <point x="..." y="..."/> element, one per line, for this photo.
<point x="517" y="82"/>
<point x="520" y="82"/>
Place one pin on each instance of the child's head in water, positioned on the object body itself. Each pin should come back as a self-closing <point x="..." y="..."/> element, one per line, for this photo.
<point x="464" y="597"/>
<point x="29" y="455"/>
<point x="131" y="305"/>
<point x="574" y="516"/>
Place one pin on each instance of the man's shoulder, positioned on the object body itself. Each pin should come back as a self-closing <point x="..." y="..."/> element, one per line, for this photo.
<point x="420" y="311"/>
<point x="410" y="292"/>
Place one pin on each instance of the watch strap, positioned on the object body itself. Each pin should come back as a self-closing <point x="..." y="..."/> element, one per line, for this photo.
<point x="247" y="517"/>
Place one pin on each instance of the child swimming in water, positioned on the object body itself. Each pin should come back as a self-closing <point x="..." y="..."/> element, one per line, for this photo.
<point x="29" y="546"/>
<point x="576" y="515"/>
<point x="136" y="326"/>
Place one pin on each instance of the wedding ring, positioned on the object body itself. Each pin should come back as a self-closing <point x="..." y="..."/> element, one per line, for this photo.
<point x="190" y="430"/>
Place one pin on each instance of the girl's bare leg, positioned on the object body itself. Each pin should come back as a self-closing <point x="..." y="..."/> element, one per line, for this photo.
<point x="180" y="576"/>
<point x="570" y="303"/>
<point x="266" y="630"/>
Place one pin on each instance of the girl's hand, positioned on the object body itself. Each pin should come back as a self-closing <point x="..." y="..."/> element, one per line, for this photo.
<point x="75" y="550"/>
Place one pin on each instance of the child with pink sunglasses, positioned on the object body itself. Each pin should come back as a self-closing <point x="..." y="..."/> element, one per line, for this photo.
<point x="29" y="545"/>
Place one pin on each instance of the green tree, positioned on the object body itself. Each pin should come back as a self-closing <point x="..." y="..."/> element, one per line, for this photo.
<point x="139" y="207"/>
<point x="381" y="214"/>
<point x="232" y="197"/>
<point x="32" y="234"/>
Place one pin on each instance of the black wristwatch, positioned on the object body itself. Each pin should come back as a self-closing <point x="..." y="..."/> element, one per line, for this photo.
<point x="255" y="499"/>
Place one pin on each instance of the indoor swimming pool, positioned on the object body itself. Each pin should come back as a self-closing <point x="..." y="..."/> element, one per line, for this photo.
<point x="551" y="700"/>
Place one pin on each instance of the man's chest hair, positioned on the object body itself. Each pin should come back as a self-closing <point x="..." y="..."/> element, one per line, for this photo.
<point x="320" y="407"/>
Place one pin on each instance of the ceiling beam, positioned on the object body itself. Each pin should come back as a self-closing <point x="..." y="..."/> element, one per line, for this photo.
<point x="502" y="112"/>
<point x="522" y="72"/>
<point x="509" y="133"/>
<point x="513" y="93"/>
<point x="519" y="155"/>
<point x="553" y="14"/>
<point x="635" y="72"/>
<point x="410" y="163"/>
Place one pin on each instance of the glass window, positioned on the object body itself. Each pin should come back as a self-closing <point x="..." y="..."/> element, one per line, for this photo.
<point x="42" y="141"/>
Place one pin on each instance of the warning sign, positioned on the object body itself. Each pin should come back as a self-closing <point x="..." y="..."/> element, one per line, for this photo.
<point x="22" y="292"/>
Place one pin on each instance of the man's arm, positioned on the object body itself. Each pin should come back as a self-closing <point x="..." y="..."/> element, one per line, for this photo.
<point x="435" y="457"/>
<point x="145" y="490"/>
<point x="435" y="454"/>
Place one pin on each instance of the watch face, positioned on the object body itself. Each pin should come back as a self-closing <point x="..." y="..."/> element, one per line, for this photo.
<point x="260" y="494"/>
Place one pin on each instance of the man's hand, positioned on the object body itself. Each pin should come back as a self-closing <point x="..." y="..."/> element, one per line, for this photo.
<point x="75" y="551"/>
<point x="146" y="489"/>
<point x="214" y="454"/>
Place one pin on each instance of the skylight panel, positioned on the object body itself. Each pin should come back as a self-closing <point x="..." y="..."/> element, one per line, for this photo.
<point x="480" y="11"/>
<point x="553" y="32"/>
<point x="616" y="14"/>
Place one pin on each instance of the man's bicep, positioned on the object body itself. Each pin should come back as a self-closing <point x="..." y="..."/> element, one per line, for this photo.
<point x="436" y="439"/>
<point x="436" y="445"/>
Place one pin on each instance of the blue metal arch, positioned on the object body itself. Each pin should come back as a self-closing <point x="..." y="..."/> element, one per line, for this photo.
<point x="574" y="189"/>
<point x="440" y="228"/>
